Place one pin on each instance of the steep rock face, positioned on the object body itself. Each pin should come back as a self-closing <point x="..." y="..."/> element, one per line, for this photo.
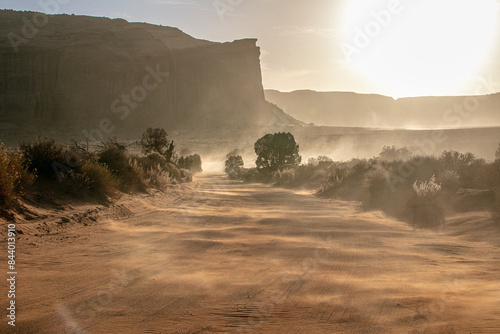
<point x="364" y="110"/>
<point x="86" y="75"/>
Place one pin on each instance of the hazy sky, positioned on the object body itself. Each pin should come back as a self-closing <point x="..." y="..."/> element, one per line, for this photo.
<point x="391" y="47"/>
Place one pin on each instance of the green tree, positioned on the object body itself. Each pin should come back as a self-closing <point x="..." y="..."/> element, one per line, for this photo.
<point x="277" y="151"/>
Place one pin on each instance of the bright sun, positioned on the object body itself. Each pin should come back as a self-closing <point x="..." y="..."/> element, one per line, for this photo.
<point x="419" y="47"/>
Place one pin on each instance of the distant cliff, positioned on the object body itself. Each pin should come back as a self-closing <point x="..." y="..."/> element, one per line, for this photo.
<point x="88" y="76"/>
<point x="364" y="110"/>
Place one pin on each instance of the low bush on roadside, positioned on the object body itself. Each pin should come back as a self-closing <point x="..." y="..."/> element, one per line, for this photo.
<point x="92" y="179"/>
<point x="191" y="163"/>
<point x="43" y="156"/>
<point x="419" y="189"/>
<point x="85" y="174"/>
<point x="14" y="176"/>
<point x="285" y="177"/>
<point x="120" y="164"/>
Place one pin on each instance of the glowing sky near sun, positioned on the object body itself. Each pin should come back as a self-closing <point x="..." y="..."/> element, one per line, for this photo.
<point x="390" y="47"/>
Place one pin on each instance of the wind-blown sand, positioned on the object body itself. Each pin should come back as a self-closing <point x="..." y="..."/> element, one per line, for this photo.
<point x="220" y="256"/>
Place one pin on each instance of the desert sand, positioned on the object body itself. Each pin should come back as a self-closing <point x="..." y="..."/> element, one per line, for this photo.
<point x="220" y="256"/>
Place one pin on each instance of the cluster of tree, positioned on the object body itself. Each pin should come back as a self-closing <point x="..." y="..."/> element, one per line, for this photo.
<point x="275" y="152"/>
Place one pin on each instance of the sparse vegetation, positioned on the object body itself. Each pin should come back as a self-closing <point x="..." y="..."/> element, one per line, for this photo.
<point x="427" y="189"/>
<point x="120" y="164"/>
<point x="391" y="153"/>
<point x="191" y="163"/>
<point x="419" y="189"/>
<point x="43" y="156"/>
<point x="101" y="174"/>
<point x="14" y="176"/>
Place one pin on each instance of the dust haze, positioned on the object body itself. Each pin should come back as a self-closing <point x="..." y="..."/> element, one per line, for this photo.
<point x="204" y="173"/>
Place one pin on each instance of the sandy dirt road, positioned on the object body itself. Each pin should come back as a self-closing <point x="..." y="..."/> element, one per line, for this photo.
<point x="226" y="257"/>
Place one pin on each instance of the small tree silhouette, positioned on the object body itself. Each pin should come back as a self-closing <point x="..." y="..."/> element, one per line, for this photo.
<point x="234" y="166"/>
<point x="191" y="163"/>
<point x="277" y="151"/>
<point x="156" y="141"/>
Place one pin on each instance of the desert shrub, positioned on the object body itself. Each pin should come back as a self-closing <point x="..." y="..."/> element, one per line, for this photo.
<point x="490" y="175"/>
<point x="14" y="176"/>
<point x="43" y="156"/>
<point x="427" y="189"/>
<point x="91" y="179"/>
<point x="285" y="177"/>
<point x="425" y="210"/>
<point x="449" y="180"/>
<point x="321" y="160"/>
<point x="467" y="166"/>
<point x="391" y="153"/>
<point x="177" y="174"/>
<point x="155" y="159"/>
<point x="379" y="192"/>
<point x="76" y="183"/>
<point x="339" y="172"/>
<point x="254" y="175"/>
<point x="314" y="173"/>
<point x="191" y="163"/>
<point x="497" y="153"/>
<point x="120" y="164"/>
<point x="151" y="162"/>
<point x="347" y="180"/>
<point x="77" y="154"/>
<point x="100" y="183"/>
<point x="234" y="166"/>
<point x="157" y="178"/>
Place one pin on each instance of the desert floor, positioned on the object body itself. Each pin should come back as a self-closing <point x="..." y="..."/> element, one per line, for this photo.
<point x="218" y="256"/>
